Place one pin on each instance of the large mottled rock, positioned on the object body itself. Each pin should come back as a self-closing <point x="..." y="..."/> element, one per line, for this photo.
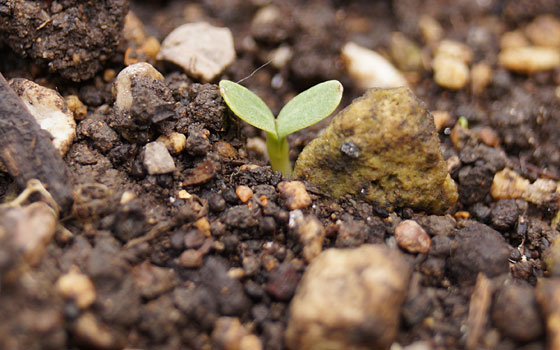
<point x="385" y="149"/>
<point x="349" y="299"/>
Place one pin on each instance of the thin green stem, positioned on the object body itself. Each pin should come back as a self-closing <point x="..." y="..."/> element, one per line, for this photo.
<point x="278" y="152"/>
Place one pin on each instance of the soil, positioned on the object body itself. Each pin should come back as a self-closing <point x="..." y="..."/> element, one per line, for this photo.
<point x="166" y="265"/>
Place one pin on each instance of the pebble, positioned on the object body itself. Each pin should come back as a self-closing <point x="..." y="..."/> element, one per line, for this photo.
<point x="478" y="249"/>
<point x="282" y="282"/>
<point x="513" y="39"/>
<point x="548" y="297"/>
<point x="230" y="334"/>
<point x="191" y="258"/>
<point x="78" y="109"/>
<point x="310" y="232"/>
<point x="450" y="64"/>
<point x="49" y="110"/>
<point x="90" y="333"/>
<point x="441" y="119"/>
<point x="175" y="142"/>
<point x="369" y="69"/>
<point x="359" y="292"/>
<point x="544" y="31"/>
<point x="244" y="193"/>
<point x="202" y="50"/>
<point x="122" y="88"/>
<point x="430" y="29"/>
<point x="405" y="53"/>
<point x="157" y="159"/>
<point x="529" y="59"/>
<point x="411" y="237"/>
<point x="295" y="194"/>
<point x="437" y="225"/>
<point x="31" y="229"/>
<point x="515" y="312"/>
<point x="78" y="287"/>
<point x="481" y="77"/>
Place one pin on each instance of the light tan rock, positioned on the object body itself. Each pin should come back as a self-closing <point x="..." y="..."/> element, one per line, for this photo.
<point x="349" y="299"/>
<point x="49" y="110"/>
<point x="244" y="193"/>
<point x="295" y="194"/>
<point x="450" y="73"/>
<point x="412" y="237"/>
<point x="544" y="31"/>
<point x="310" y="232"/>
<point x="202" y="50"/>
<point x="529" y="59"/>
<point x="175" y="142"/>
<point x="122" y="88"/>
<point x="78" y="109"/>
<point x="369" y="69"/>
<point x="455" y="49"/>
<point x="430" y="28"/>
<point x="230" y="334"/>
<point x="481" y="77"/>
<point x="513" y="39"/>
<point x="507" y="184"/>
<point x="78" y="287"/>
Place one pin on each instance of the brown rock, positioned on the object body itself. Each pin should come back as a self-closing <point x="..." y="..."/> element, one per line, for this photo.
<point x="244" y="193"/>
<point x="349" y="299"/>
<point x="411" y="237"/>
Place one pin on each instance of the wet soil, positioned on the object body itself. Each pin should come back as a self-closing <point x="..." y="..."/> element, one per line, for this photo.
<point x="166" y="265"/>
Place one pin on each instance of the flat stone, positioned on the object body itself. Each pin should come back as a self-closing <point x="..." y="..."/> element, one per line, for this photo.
<point x="202" y="50"/>
<point x="349" y="299"/>
<point x="157" y="159"/>
<point x="384" y="149"/>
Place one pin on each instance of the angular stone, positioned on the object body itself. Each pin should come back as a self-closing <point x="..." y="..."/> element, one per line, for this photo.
<point x="349" y="299"/>
<point x="157" y="159"/>
<point x="201" y="49"/>
<point x="383" y="148"/>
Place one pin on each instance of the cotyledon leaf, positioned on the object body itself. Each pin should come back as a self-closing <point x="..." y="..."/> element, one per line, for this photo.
<point x="248" y="106"/>
<point x="309" y="107"/>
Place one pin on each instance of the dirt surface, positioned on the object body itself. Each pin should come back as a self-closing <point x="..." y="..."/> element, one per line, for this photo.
<point x="169" y="255"/>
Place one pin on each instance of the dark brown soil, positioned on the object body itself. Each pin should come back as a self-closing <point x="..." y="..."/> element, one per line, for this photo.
<point x="134" y="252"/>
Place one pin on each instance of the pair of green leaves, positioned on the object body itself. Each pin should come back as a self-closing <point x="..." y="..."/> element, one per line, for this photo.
<point x="306" y="109"/>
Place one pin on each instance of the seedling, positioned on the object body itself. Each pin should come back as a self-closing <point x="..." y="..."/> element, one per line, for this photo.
<point x="306" y="109"/>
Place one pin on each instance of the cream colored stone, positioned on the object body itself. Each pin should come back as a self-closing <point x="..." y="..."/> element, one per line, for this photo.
<point x="175" y="142"/>
<point x="295" y="194"/>
<point x="481" y="77"/>
<point x="455" y="49"/>
<point x="122" y="89"/>
<point x="369" y="69"/>
<point x="430" y="28"/>
<point x="544" y="31"/>
<point x="49" y="110"/>
<point x="78" y="287"/>
<point x="529" y="59"/>
<point x="202" y="50"/>
<point x="513" y="39"/>
<point x="450" y="73"/>
<point x="507" y="184"/>
<point x="353" y="291"/>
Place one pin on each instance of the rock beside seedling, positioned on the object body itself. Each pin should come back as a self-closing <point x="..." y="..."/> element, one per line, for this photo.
<point x="202" y="50"/>
<point x="349" y="299"/>
<point x="157" y="159"/>
<point x="383" y="148"/>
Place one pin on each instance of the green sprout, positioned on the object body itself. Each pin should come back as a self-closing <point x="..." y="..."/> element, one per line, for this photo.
<point x="306" y="109"/>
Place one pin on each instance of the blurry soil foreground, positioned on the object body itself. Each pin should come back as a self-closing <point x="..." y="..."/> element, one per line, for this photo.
<point x="138" y="213"/>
